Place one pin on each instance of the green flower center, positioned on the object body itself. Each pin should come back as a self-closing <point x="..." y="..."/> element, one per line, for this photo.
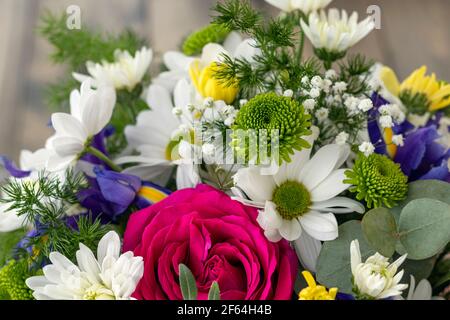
<point x="292" y="199"/>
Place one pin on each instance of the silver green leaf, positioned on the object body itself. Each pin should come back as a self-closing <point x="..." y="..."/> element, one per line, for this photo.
<point x="424" y="228"/>
<point x="187" y="283"/>
<point x="214" y="292"/>
<point x="333" y="265"/>
<point x="380" y="230"/>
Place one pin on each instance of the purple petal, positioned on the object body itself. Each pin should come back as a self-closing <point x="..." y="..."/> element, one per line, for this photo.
<point x="13" y="169"/>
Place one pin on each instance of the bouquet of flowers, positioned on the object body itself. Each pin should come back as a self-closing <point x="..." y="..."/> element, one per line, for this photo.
<point x="243" y="170"/>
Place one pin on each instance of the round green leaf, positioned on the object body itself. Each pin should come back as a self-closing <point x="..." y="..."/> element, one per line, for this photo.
<point x="420" y="269"/>
<point x="424" y="227"/>
<point x="333" y="265"/>
<point x="431" y="189"/>
<point x="380" y="230"/>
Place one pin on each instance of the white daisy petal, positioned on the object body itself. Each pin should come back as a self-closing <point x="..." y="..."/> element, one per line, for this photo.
<point x="308" y="250"/>
<point x="257" y="187"/>
<point x="320" y="226"/>
<point x="320" y="166"/>
<point x="330" y="187"/>
<point x="338" y="205"/>
<point x="290" y="229"/>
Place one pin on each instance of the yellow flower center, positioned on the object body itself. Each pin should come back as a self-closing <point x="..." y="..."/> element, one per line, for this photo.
<point x="98" y="292"/>
<point x="208" y="86"/>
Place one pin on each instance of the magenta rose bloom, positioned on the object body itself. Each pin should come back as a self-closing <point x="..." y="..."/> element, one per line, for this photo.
<point x="218" y="239"/>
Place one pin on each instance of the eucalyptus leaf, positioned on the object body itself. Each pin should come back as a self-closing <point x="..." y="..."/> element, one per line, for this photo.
<point x="380" y="230"/>
<point x="420" y="269"/>
<point x="214" y="291"/>
<point x="424" y="227"/>
<point x="431" y="189"/>
<point x="187" y="283"/>
<point x="333" y="265"/>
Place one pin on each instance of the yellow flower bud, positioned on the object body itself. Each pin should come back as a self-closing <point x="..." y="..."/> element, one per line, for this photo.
<point x="208" y="86"/>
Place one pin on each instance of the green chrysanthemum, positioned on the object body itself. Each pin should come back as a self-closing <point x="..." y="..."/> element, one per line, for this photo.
<point x="377" y="180"/>
<point x="12" y="281"/>
<point x="213" y="33"/>
<point x="268" y="112"/>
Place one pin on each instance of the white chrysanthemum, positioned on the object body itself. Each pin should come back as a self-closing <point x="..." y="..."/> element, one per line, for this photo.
<point x="306" y="6"/>
<point x="158" y="137"/>
<point x="302" y="195"/>
<point x="298" y="202"/>
<point x="110" y="276"/>
<point x="90" y="112"/>
<point x="124" y="73"/>
<point x="336" y="32"/>
<point x="376" y="277"/>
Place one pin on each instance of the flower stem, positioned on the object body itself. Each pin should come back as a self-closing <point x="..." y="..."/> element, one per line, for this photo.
<point x="301" y="46"/>
<point x="100" y="155"/>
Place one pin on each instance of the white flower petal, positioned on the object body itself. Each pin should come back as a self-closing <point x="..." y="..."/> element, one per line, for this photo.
<point x="330" y="187"/>
<point x="257" y="187"/>
<point x="68" y="126"/>
<point x="308" y="250"/>
<point x="109" y="245"/>
<point x="338" y="205"/>
<point x="320" y="226"/>
<point x="320" y="166"/>
<point x="98" y="109"/>
<point x="290" y="229"/>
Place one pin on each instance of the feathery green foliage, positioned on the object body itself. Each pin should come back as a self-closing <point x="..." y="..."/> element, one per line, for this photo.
<point x="278" y="65"/>
<point x="76" y="47"/>
<point x="44" y="203"/>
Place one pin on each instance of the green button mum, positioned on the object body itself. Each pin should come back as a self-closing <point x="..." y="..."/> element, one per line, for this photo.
<point x="12" y="281"/>
<point x="213" y="33"/>
<point x="377" y="180"/>
<point x="265" y="114"/>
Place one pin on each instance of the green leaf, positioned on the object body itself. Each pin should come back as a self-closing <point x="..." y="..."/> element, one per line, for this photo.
<point x="8" y="241"/>
<point x="420" y="269"/>
<point x="380" y="230"/>
<point x="214" y="292"/>
<point x="187" y="283"/>
<point x="431" y="189"/>
<point x="424" y="227"/>
<point x="333" y="265"/>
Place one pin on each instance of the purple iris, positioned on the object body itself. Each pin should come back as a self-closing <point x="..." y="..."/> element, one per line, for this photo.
<point x="421" y="157"/>
<point x="12" y="169"/>
<point x="110" y="193"/>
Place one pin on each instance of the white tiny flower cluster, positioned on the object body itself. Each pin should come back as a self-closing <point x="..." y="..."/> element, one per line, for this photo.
<point x="390" y="114"/>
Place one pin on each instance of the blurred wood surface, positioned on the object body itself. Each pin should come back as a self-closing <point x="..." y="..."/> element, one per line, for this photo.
<point x="413" y="33"/>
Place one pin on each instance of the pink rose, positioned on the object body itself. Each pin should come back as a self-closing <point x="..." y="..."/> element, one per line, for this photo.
<point x="218" y="239"/>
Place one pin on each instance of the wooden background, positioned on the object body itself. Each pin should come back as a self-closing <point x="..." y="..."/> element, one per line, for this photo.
<point x="413" y="32"/>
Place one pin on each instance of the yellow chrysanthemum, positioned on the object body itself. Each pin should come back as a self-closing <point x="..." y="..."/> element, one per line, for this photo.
<point x="314" y="291"/>
<point x="208" y="86"/>
<point x="436" y="92"/>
